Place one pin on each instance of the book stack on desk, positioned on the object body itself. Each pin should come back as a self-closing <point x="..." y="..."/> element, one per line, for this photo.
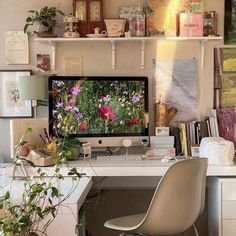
<point x="161" y="146"/>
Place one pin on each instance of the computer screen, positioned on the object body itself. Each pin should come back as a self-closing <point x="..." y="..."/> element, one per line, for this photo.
<point x="93" y="108"/>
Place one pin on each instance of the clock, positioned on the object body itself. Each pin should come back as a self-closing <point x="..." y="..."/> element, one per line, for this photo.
<point x="90" y="15"/>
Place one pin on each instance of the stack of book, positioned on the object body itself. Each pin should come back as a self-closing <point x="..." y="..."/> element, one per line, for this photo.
<point x="191" y="133"/>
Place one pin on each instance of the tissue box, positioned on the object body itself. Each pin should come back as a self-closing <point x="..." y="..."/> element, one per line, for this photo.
<point x="218" y="150"/>
<point x="191" y="24"/>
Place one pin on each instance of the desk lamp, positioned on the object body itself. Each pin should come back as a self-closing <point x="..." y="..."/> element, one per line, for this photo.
<point x="34" y="88"/>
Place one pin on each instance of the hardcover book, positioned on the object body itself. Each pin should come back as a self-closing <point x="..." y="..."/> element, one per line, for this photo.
<point x="191" y="24"/>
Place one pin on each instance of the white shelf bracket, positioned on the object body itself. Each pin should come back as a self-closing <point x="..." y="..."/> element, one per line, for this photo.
<point x="142" y="54"/>
<point x="113" y="54"/>
<point x="53" y="50"/>
<point x="202" y="44"/>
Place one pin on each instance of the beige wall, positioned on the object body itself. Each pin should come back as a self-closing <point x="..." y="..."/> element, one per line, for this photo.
<point x="97" y="55"/>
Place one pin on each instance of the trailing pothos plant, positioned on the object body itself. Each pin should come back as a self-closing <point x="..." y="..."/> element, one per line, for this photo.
<point x="39" y="202"/>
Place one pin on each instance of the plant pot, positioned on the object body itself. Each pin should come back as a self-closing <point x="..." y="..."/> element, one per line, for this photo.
<point x="72" y="147"/>
<point x="46" y="34"/>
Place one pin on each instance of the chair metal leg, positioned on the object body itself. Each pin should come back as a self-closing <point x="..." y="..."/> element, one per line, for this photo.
<point x="195" y="230"/>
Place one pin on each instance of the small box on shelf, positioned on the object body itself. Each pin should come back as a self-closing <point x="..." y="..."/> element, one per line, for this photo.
<point x="191" y="24"/>
<point x="162" y="131"/>
<point x="210" y="24"/>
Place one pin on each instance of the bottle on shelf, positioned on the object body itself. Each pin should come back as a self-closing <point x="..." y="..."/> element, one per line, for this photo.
<point x="132" y="26"/>
<point x="140" y="22"/>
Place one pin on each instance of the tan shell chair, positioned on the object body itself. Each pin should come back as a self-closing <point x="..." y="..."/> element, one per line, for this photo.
<point x="177" y="202"/>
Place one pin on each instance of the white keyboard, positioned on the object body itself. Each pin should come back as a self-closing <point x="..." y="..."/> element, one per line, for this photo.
<point x="129" y="157"/>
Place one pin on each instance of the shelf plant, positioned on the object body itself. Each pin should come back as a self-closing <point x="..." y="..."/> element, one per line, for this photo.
<point x="46" y="19"/>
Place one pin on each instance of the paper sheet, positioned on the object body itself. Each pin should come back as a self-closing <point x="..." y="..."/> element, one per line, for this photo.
<point x="176" y="84"/>
<point x="72" y="65"/>
<point x="16" y="47"/>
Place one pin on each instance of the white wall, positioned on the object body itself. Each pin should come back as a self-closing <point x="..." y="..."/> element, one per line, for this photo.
<point x="97" y="56"/>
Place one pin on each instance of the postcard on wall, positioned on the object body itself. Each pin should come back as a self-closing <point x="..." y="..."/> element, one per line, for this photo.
<point x="16" y="47"/>
<point x="161" y="15"/>
<point x="43" y="62"/>
<point x="177" y="87"/>
<point x="72" y="65"/>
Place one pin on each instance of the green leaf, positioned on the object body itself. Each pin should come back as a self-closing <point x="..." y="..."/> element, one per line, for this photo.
<point x="39" y="212"/>
<point x="74" y="178"/>
<point x="57" y="170"/>
<point x="24" y="220"/>
<point x="30" y="163"/>
<point x="50" y="201"/>
<point x="32" y="196"/>
<point x="50" y="29"/>
<point x="62" y="13"/>
<point x="52" y="9"/>
<point x="33" y="234"/>
<point x="55" y="192"/>
<point x="61" y="177"/>
<point x="29" y="19"/>
<point x="7" y="195"/>
<point x="32" y="11"/>
<point x="45" y="23"/>
<point x="36" y="188"/>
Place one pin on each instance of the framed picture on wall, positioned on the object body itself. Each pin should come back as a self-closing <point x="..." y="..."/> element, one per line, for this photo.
<point x="230" y="22"/>
<point x="10" y="103"/>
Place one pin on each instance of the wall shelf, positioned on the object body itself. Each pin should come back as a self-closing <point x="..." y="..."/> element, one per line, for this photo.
<point x="143" y="40"/>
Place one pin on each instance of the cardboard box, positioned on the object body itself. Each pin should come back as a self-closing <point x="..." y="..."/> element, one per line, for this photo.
<point x="191" y="24"/>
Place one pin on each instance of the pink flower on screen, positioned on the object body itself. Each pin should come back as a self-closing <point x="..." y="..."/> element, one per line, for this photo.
<point x="83" y="127"/>
<point x="107" y="113"/>
<point x="134" y="121"/>
<point x="75" y="90"/>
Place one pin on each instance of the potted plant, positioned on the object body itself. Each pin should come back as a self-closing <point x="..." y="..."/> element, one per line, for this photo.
<point x="39" y="202"/>
<point x="46" y="19"/>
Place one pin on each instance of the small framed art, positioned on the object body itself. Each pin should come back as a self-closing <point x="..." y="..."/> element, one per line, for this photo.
<point x="10" y="103"/>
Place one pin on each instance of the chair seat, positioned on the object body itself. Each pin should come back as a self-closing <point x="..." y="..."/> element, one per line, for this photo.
<point x="125" y="223"/>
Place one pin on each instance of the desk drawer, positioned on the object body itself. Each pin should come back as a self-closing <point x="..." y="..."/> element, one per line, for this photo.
<point x="229" y="191"/>
<point x="229" y="210"/>
<point x="229" y="228"/>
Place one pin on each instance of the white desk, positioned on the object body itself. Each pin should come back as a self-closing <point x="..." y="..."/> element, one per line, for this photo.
<point x="140" y="168"/>
<point x="146" y="168"/>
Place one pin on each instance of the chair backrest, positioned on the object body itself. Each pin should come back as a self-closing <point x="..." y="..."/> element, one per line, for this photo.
<point x="178" y="199"/>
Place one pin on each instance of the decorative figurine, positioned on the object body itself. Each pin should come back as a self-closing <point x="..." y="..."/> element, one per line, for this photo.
<point x="163" y="115"/>
<point x="72" y="28"/>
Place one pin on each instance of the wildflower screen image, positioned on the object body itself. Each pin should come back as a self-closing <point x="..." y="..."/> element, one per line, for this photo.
<point x="98" y="106"/>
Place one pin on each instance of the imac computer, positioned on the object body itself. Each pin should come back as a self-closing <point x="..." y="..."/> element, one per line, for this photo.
<point x="103" y="111"/>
